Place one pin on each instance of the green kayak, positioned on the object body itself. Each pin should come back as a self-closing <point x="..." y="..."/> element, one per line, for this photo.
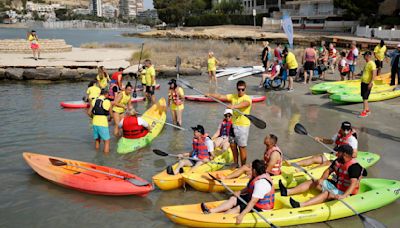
<point x="356" y="98"/>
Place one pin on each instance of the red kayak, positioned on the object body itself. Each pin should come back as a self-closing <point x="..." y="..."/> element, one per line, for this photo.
<point x="254" y="98"/>
<point x="82" y="104"/>
<point x="87" y="177"/>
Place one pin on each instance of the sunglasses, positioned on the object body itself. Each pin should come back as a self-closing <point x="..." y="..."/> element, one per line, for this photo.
<point x="241" y="89"/>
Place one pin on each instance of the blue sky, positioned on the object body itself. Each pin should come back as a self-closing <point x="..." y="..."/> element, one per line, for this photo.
<point x="148" y="4"/>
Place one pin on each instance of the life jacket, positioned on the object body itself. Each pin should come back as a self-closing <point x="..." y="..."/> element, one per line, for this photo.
<point x="310" y="55"/>
<point x="200" y="149"/>
<point x="111" y="93"/>
<point x="98" y="109"/>
<point x="174" y="96"/>
<point x="342" y="139"/>
<point x="276" y="170"/>
<point x="350" y="56"/>
<point x="131" y="128"/>
<point x="344" y="69"/>
<point x="273" y="70"/>
<point x="267" y="202"/>
<point x="332" y="53"/>
<point x="226" y="128"/>
<point x="343" y="179"/>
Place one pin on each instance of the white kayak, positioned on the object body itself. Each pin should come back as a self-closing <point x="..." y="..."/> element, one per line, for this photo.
<point x="248" y="72"/>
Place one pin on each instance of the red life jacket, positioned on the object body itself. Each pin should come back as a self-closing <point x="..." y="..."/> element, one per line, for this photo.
<point x="266" y="203"/>
<point x="174" y="95"/>
<point x="200" y="149"/>
<point x="343" y="179"/>
<point x="131" y="128"/>
<point x="226" y="128"/>
<point x="342" y="139"/>
<point x="276" y="170"/>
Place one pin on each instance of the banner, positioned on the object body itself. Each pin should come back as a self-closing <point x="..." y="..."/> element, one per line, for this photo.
<point x="288" y="28"/>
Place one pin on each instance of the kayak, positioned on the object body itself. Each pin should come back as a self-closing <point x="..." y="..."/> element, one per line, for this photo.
<point x="247" y="72"/>
<point x="155" y="112"/>
<point x="290" y="175"/>
<point x="355" y="89"/>
<point x="356" y="98"/>
<point x="140" y="87"/>
<point x="85" y="180"/>
<point x="168" y="182"/>
<point x="254" y="98"/>
<point x="374" y="193"/>
<point x="83" y="104"/>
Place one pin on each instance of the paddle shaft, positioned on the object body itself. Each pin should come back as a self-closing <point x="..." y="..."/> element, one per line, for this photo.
<point x="323" y="144"/>
<point x="138" y="67"/>
<point x="159" y="121"/>
<point x="196" y="159"/>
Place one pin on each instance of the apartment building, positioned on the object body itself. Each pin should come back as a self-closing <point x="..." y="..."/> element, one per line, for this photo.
<point x="130" y="8"/>
<point x="97" y="8"/>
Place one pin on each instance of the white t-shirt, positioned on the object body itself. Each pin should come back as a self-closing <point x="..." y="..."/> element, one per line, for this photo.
<point x="352" y="141"/>
<point x="261" y="188"/>
<point x="140" y="121"/>
<point x="343" y="62"/>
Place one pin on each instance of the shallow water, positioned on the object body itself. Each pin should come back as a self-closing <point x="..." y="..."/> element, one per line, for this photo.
<point x="31" y="120"/>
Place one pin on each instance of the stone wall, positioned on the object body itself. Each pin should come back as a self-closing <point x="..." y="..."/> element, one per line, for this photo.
<point x="22" y="46"/>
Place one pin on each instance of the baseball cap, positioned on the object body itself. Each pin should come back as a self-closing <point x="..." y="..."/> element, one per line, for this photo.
<point x="199" y="128"/>
<point x="347" y="149"/>
<point x="346" y="125"/>
<point x="367" y="53"/>
<point x="228" y="111"/>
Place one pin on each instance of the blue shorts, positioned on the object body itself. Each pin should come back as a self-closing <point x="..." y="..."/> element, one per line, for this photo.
<point x="352" y="68"/>
<point x="100" y="132"/>
<point x="327" y="185"/>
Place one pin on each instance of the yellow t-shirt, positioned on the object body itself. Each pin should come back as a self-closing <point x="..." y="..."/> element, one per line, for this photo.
<point x="150" y="73"/>
<point x="124" y="101"/>
<point x="367" y="73"/>
<point x="212" y="64"/>
<point x="100" y="120"/>
<point x="380" y="52"/>
<point x="238" y="119"/>
<point x="173" y="105"/>
<point x="103" y="82"/>
<point x="143" y="76"/>
<point x="291" y="61"/>
<point x="93" y="92"/>
<point x="33" y="39"/>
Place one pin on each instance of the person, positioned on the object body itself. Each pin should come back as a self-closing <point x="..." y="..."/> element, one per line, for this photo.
<point x="34" y="43"/>
<point x="99" y="110"/>
<point x="142" y="74"/>
<point x="122" y="102"/>
<point x="343" y="66"/>
<point x="265" y="55"/>
<point x="133" y="126"/>
<point x="224" y="134"/>
<point x="240" y="123"/>
<point x="259" y="195"/>
<point x="273" y="158"/>
<point x="345" y="136"/>
<point x="395" y="65"/>
<point x="309" y="60"/>
<point x="92" y="92"/>
<point x="367" y="79"/>
<point x="202" y="149"/>
<point x="102" y="78"/>
<point x="351" y="58"/>
<point x="290" y="65"/>
<point x="332" y="57"/>
<point x="212" y="67"/>
<point x="176" y="97"/>
<point x="323" y="59"/>
<point x="275" y="71"/>
<point x="150" y="81"/>
<point x="348" y="174"/>
<point x="380" y="53"/>
<point x="278" y="53"/>
<point x="115" y="84"/>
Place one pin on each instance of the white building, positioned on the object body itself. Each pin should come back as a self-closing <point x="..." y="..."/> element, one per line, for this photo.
<point x="130" y="8"/>
<point x="81" y="11"/>
<point x="109" y="11"/>
<point x="96" y="7"/>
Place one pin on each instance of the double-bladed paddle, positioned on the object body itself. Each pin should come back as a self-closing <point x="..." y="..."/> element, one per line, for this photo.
<point x="164" y="154"/>
<point x="134" y="94"/>
<point x="57" y="162"/>
<point x="166" y="123"/>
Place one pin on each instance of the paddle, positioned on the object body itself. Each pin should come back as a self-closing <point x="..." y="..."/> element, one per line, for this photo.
<point x="300" y="129"/>
<point x="178" y="66"/>
<point x="243" y="201"/>
<point x="256" y="121"/>
<point x="159" y="121"/>
<point x="367" y="221"/>
<point x="164" y="154"/>
<point x="133" y="181"/>
<point x="134" y="94"/>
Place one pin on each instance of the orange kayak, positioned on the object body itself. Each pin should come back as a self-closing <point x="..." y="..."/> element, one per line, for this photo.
<point x="87" y="177"/>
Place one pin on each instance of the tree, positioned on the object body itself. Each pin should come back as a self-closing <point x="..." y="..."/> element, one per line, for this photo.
<point x="229" y="7"/>
<point x="356" y="8"/>
<point x="175" y="11"/>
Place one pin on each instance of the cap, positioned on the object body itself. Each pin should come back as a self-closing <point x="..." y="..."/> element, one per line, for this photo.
<point x="347" y="149"/>
<point x="228" y="111"/>
<point x="199" y="128"/>
<point x="346" y="125"/>
<point x="367" y="53"/>
<point x="172" y="81"/>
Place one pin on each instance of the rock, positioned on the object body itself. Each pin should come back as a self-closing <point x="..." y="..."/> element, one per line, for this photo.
<point x="14" y="73"/>
<point x="89" y="75"/>
<point x="2" y="73"/>
<point x="82" y="70"/>
<point x="52" y="74"/>
<point x="70" y="74"/>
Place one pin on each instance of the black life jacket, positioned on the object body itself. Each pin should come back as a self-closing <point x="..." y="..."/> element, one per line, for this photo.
<point x="98" y="108"/>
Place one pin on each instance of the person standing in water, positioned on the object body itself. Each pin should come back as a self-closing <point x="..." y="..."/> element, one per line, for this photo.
<point x="212" y="67"/>
<point x="121" y="103"/>
<point x="175" y="101"/>
<point x="34" y="44"/>
<point x="102" y="78"/>
<point x="265" y="55"/>
<point x="150" y="81"/>
<point x="309" y="60"/>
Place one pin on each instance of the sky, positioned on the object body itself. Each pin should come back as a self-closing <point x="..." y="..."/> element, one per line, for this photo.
<point x="148" y="4"/>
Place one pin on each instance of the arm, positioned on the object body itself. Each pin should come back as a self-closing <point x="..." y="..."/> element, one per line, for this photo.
<point x="244" y="104"/>
<point x="216" y="134"/>
<point x="120" y="80"/>
<point x="324" y="140"/>
<point x="354" y="182"/>
<point x="373" y="78"/>
<point x="217" y="96"/>
<point x="89" y="111"/>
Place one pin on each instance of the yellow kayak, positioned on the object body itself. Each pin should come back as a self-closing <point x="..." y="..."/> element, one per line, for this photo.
<point x="165" y="181"/>
<point x="373" y="194"/>
<point x="290" y="175"/>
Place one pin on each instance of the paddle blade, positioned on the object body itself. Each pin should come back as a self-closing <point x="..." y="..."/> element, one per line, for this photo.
<point x="370" y="222"/>
<point x="257" y="122"/>
<point x="57" y="162"/>
<point x="300" y="129"/>
<point x="160" y="153"/>
<point x="137" y="182"/>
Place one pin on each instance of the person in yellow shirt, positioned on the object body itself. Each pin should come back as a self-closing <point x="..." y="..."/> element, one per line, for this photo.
<point x="176" y="97"/>
<point x="92" y="92"/>
<point x="121" y="103"/>
<point x="150" y="81"/>
<point x="99" y="110"/>
<point x="212" y="67"/>
<point x="291" y="65"/>
<point x="240" y="123"/>
<point x="102" y="77"/>
<point x="367" y="78"/>
<point x="34" y="43"/>
<point x="380" y="53"/>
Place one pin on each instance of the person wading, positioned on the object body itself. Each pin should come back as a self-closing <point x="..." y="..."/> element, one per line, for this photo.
<point x="115" y="84"/>
<point x="121" y="103"/>
<point x="92" y="92"/>
<point x="212" y="68"/>
<point x="150" y="81"/>
<point x="102" y="78"/>
<point x="176" y="97"/>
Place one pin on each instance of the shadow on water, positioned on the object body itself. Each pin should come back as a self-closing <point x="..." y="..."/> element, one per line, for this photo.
<point x="379" y="134"/>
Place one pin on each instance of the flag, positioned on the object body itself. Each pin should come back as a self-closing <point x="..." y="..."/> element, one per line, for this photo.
<point x="288" y="28"/>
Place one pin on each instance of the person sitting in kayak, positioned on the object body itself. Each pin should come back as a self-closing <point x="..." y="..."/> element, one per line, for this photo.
<point x="224" y="136"/>
<point x="270" y="75"/>
<point x="348" y="174"/>
<point x="346" y="135"/>
<point x="259" y="194"/>
<point x="272" y="160"/>
<point x="92" y="92"/>
<point x="203" y="148"/>
<point x="133" y="126"/>
<point x="115" y="84"/>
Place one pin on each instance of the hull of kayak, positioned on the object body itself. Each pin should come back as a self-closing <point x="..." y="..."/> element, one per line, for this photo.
<point x="85" y="180"/>
<point x="356" y="98"/>
<point x="164" y="181"/>
<point x="246" y="73"/>
<point x="82" y="104"/>
<point x="254" y="98"/>
<point x="373" y="194"/>
<point x="156" y="112"/>
<point x="355" y="89"/>
<point x="290" y="175"/>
